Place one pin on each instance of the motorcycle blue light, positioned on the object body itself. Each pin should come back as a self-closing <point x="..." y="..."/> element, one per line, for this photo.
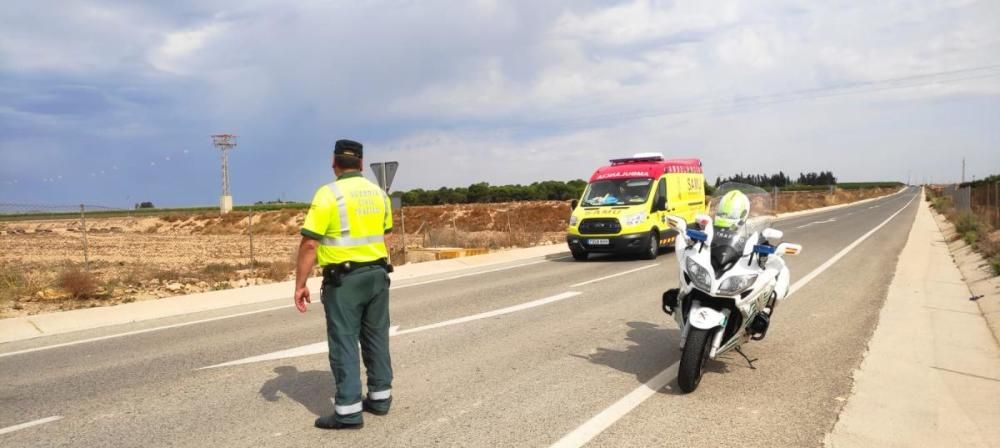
<point x="697" y="235"/>
<point x="763" y="249"/>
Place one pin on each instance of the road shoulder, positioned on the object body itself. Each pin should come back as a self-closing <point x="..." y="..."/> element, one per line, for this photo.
<point x="931" y="376"/>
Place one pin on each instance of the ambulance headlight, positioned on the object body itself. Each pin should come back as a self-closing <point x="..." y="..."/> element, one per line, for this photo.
<point x="573" y="220"/>
<point x="634" y="219"/>
<point x="737" y="283"/>
<point x="699" y="275"/>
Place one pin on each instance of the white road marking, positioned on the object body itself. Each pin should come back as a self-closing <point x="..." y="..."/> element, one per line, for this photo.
<point x="146" y="330"/>
<point x="609" y="416"/>
<point x="826" y="265"/>
<point x="614" y="275"/>
<point x="602" y="421"/>
<point x="248" y="313"/>
<point x="42" y="421"/>
<point x="494" y="313"/>
<point x="476" y="273"/>
<point x="817" y="222"/>
<point x="321" y="347"/>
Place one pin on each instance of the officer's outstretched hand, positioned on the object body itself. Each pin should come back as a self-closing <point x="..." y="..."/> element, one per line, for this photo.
<point x="302" y="298"/>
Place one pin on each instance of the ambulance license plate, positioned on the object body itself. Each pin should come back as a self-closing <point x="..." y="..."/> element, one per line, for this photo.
<point x="598" y="241"/>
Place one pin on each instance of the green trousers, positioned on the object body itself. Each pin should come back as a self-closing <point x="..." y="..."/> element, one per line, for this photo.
<point x="358" y="311"/>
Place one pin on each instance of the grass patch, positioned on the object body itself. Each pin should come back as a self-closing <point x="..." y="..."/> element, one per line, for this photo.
<point x="966" y="222"/>
<point x="217" y="272"/>
<point x="279" y="270"/>
<point x="970" y="237"/>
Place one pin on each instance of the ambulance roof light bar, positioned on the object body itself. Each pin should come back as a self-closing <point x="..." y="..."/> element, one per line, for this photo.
<point x="640" y="157"/>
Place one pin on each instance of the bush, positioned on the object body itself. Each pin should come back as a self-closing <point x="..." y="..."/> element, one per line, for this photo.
<point x="79" y="284"/>
<point x="970" y="237"/>
<point x="995" y="264"/>
<point x="941" y="203"/>
<point x="279" y="270"/>
<point x="966" y="223"/>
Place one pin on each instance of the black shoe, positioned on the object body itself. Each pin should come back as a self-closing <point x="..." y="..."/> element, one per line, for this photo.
<point x="369" y="406"/>
<point x="330" y="422"/>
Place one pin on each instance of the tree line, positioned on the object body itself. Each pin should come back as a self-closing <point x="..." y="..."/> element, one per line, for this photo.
<point x="780" y="180"/>
<point x="552" y="190"/>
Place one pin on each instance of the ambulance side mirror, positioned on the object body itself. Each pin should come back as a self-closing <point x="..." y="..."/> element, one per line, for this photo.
<point x="573" y="204"/>
<point x="661" y="204"/>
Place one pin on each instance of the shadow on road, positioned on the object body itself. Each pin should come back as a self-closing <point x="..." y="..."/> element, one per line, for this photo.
<point x="653" y="349"/>
<point x="311" y="389"/>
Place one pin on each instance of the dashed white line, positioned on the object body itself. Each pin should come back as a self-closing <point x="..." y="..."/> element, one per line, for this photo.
<point x="41" y="421"/>
<point x="614" y="275"/>
<point x="817" y="222"/>
<point x="146" y="330"/>
<point x="603" y="420"/>
<point x="230" y="316"/>
<point x="321" y="347"/>
<point x="475" y="273"/>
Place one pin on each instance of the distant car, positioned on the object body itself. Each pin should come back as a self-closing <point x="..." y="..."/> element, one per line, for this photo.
<point x="624" y="207"/>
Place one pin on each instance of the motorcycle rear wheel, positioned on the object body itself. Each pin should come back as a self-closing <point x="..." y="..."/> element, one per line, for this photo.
<point x="693" y="359"/>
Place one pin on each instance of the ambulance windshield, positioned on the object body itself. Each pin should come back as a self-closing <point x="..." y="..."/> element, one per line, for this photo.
<point x="617" y="192"/>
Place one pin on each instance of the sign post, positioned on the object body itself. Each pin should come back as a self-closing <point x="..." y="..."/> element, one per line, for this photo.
<point x="384" y="174"/>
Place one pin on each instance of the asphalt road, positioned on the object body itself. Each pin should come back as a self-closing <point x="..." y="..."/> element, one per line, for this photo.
<point x="527" y="375"/>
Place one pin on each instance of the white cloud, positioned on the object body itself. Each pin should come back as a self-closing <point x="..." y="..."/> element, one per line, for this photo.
<point x="179" y="52"/>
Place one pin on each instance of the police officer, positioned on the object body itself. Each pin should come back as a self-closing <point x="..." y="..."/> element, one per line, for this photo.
<point x="345" y="232"/>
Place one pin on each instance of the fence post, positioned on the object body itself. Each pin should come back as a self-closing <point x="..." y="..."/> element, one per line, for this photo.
<point x="250" y="230"/>
<point x="86" y="254"/>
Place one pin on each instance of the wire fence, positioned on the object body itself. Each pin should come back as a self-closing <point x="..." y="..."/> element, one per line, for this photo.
<point x="981" y="199"/>
<point x="160" y="252"/>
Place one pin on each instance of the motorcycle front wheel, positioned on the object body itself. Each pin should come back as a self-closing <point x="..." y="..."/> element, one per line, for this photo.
<point x="693" y="359"/>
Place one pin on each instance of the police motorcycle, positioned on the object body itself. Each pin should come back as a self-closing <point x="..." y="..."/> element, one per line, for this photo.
<point x="732" y="275"/>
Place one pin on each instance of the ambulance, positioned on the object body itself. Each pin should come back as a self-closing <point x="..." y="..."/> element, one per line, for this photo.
<point x="625" y="205"/>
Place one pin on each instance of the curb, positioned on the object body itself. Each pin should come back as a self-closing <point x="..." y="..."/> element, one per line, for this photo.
<point x="975" y="272"/>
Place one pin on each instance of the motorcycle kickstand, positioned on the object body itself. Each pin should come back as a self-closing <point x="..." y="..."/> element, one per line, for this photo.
<point x="744" y="355"/>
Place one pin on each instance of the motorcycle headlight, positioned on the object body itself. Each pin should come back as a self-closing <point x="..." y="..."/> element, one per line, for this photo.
<point x="737" y="283"/>
<point x="635" y="219"/>
<point x="699" y="275"/>
<point x="573" y="220"/>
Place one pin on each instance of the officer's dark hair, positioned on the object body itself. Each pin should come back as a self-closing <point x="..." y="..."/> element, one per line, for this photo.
<point x="347" y="162"/>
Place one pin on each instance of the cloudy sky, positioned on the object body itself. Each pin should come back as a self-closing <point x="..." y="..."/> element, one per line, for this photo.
<point x="113" y="102"/>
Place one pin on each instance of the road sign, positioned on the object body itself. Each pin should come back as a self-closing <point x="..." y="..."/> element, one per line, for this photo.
<point x="397" y="202"/>
<point x="384" y="172"/>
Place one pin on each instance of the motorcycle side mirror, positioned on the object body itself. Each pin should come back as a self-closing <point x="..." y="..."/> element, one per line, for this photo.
<point x="772" y="235"/>
<point x="573" y="204"/>
<point x="677" y="223"/>
<point x="788" y="249"/>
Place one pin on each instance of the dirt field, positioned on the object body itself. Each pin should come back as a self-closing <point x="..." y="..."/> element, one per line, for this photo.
<point x="130" y="259"/>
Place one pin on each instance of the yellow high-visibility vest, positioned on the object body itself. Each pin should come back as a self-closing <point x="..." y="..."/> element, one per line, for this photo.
<point x="349" y="217"/>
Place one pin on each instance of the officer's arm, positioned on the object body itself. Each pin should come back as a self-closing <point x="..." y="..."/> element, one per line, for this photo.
<point x="307" y="259"/>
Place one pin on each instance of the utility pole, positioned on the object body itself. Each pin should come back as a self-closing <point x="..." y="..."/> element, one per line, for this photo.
<point x="225" y="143"/>
<point x="963" y="170"/>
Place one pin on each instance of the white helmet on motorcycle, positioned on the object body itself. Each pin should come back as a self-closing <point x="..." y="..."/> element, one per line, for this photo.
<point x="733" y="210"/>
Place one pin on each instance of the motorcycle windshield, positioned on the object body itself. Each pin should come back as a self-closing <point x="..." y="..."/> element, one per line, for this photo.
<point x="739" y="212"/>
<point x="727" y="248"/>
